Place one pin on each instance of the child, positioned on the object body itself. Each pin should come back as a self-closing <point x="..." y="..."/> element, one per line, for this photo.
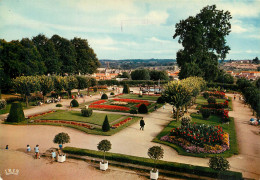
<point x="53" y="155"/>
<point x="28" y="148"/>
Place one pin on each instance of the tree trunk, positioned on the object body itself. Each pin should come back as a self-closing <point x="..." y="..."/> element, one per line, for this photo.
<point x="26" y="99"/>
<point x="104" y="156"/>
<point x="43" y="99"/>
<point x="88" y="91"/>
<point x="177" y="114"/>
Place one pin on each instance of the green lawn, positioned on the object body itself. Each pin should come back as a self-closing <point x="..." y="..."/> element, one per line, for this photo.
<point x="197" y="118"/>
<point x="96" y="118"/>
<point x="135" y="96"/>
<point x="201" y="100"/>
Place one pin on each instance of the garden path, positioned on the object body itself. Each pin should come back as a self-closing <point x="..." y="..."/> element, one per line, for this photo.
<point x="132" y="141"/>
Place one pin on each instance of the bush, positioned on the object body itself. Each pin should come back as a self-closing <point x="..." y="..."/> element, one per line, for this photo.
<point x="104" y="146"/>
<point x="61" y="138"/>
<point x="206" y="95"/>
<point x="74" y="103"/>
<point x="86" y="112"/>
<point x="105" y="126"/>
<point x="155" y="153"/>
<point x="142" y="109"/>
<point x="211" y="100"/>
<point x="133" y="111"/>
<point x="112" y="93"/>
<point x="95" y="89"/>
<point x="205" y="113"/>
<point x="58" y="105"/>
<point x="219" y="163"/>
<point x="16" y="113"/>
<point x="185" y="120"/>
<point x="2" y="104"/>
<point x="160" y="100"/>
<point x="140" y="95"/>
<point x="126" y="89"/>
<point x="13" y="99"/>
<point x="104" y="96"/>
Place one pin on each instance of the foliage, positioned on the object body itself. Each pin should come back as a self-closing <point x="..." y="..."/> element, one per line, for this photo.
<point x="83" y="82"/>
<point x="71" y="83"/>
<point x="205" y="113"/>
<point x="233" y="87"/>
<point x="256" y="60"/>
<point x="112" y="93"/>
<point x="206" y="95"/>
<point x="74" y="103"/>
<point x="61" y="138"/>
<point x="104" y="146"/>
<point x="211" y="100"/>
<point x="158" y="75"/>
<point x="105" y="126"/>
<point x="203" y="44"/>
<point x="160" y="100"/>
<point x="140" y="74"/>
<point x="133" y="111"/>
<point x="223" y="77"/>
<point x="2" y="104"/>
<point x="104" y="96"/>
<point x="46" y="85"/>
<point x="242" y="83"/>
<point x="126" y="89"/>
<point x="60" y="84"/>
<point x="16" y="113"/>
<point x="155" y="153"/>
<point x="219" y="163"/>
<point x="58" y="105"/>
<point x="142" y="109"/>
<point x="185" y="120"/>
<point x="124" y="75"/>
<point x="86" y="112"/>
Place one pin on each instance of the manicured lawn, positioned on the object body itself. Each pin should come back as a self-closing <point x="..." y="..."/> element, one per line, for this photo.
<point x="201" y="100"/>
<point x="197" y="118"/>
<point x="96" y="118"/>
<point x="135" y="96"/>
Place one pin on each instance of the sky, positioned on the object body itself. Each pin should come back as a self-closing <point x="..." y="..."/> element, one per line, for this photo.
<point x="127" y="29"/>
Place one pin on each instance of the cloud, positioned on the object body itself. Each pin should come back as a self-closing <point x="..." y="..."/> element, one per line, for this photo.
<point x="157" y="17"/>
<point x="159" y="40"/>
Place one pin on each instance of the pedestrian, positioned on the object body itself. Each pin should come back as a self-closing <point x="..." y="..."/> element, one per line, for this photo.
<point x="239" y="97"/>
<point x="53" y="155"/>
<point x="37" y="151"/>
<point x="6" y="147"/>
<point x="164" y="106"/>
<point x="28" y="148"/>
<point x="142" y="123"/>
<point x="235" y="97"/>
<point x="155" y="107"/>
<point x="60" y="146"/>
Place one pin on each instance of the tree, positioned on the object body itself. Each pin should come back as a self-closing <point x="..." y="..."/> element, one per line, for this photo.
<point x="16" y="113"/>
<point x="155" y="153"/>
<point x="156" y="75"/>
<point x="106" y="126"/>
<point x="223" y="77"/>
<point x="46" y="85"/>
<point x="83" y="82"/>
<point x="72" y="83"/>
<point x="177" y="95"/>
<point x="126" y="89"/>
<point x="60" y="84"/>
<point x="140" y="74"/>
<point x="243" y="83"/>
<point x="104" y="146"/>
<point x="256" y="60"/>
<point x="203" y="41"/>
<point x="258" y="68"/>
<point x="25" y="85"/>
<point x="61" y="138"/>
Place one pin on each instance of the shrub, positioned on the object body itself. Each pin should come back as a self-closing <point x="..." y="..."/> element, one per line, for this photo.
<point x="142" y="109"/>
<point x="105" y="126"/>
<point x="61" y="138"/>
<point x="58" y="105"/>
<point x="206" y="95"/>
<point x="95" y="89"/>
<point x="133" y="111"/>
<point x="155" y="153"/>
<point x="160" y="100"/>
<point x="104" y="96"/>
<point x="140" y="95"/>
<point x="2" y="104"/>
<point x="185" y="120"/>
<point x="205" y="113"/>
<point x="86" y="112"/>
<point x="112" y="93"/>
<point x="74" y="103"/>
<point x="104" y="146"/>
<point x="16" y="113"/>
<point x="126" y="89"/>
<point x="219" y="163"/>
<point x="211" y="99"/>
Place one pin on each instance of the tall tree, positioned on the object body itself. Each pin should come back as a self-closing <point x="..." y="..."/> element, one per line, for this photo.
<point x="256" y="60"/>
<point x="156" y="75"/>
<point x="140" y="74"/>
<point x="72" y="83"/>
<point x="46" y="85"/>
<point x="203" y="41"/>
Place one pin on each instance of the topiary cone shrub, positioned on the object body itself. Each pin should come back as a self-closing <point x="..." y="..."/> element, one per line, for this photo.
<point x="143" y="109"/>
<point x="86" y="112"/>
<point x="205" y="113"/>
<point x="74" y="103"/>
<point x="16" y="113"/>
<point x="126" y="89"/>
<point x="212" y="100"/>
<point x="160" y="100"/>
<point x="219" y="163"/>
<point x="104" y="96"/>
<point x="105" y="126"/>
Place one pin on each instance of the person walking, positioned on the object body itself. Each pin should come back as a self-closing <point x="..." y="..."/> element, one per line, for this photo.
<point x="142" y="123"/>
<point x="28" y="148"/>
<point x="7" y="147"/>
<point x="53" y="155"/>
<point x="37" y="151"/>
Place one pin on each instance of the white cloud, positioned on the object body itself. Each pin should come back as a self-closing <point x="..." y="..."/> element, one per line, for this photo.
<point x="157" y="17"/>
<point x="159" y="40"/>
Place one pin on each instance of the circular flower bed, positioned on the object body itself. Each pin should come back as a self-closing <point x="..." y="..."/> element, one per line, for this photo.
<point x="199" y="138"/>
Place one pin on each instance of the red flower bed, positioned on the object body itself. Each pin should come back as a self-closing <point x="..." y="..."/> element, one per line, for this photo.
<point x="131" y="100"/>
<point x="110" y="107"/>
<point x="122" y="122"/>
<point x="99" y="102"/>
<point x="64" y="122"/>
<point x="149" y="94"/>
<point x="29" y="117"/>
<point x="217" y="94"/>
<point x="147" y="104"/>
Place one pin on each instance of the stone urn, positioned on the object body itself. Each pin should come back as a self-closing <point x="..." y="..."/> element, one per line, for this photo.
<point x="103" y="166"/>
<point x="154" y="175"/>
<point x="61" y="158"/>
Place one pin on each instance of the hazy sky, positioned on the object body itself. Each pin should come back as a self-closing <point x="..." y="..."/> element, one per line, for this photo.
<point x="125" y="29"/>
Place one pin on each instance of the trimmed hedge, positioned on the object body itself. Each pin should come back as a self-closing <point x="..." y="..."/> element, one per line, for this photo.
<point x="16" y="113"/>
<point x="130" y="82"/>
<point x="143" y="109"/>
<point x="86" y="112"/>
<point x="233" y="87"/>
<point x="104" y="96"/>
<point x="74" y="103"/>
<point x="171" y="166"/>
<point x="58" y="105"/>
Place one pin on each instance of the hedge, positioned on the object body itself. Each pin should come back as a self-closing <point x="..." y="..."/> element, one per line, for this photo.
<point x="233" y="87"/>
<point x="171" y="166"/>
<point x="130" y="82"/>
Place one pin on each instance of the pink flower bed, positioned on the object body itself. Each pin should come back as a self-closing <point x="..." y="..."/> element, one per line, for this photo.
<point x="110" y="107"/>
<point x="99" y="102"/>
<point x="122" y="122"/>
<point x="48" y="112"/>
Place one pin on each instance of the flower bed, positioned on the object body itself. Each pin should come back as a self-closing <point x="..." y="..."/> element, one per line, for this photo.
<point x="199" y="138"/>
<point x="41" y="114"/>
<point x="64" y="122"/>
<point x="221" y="112"/>
<point x="217" y="94"/>
<point x="147" y="104"/>
<point x="131" y="100"/>
<point x="99" y="102"/>
<point x="122" y="122"/>
<point x="110" y="107"/>
<point x="119" y="103"/>
<point x="216" y="105"/>
<point x="148" y="94"/>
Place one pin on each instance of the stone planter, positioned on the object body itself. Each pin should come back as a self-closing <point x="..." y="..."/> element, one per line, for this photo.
<point x="103" y="166"/>
<point x="154" y="175"/>
<point x="61" y="158"/>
